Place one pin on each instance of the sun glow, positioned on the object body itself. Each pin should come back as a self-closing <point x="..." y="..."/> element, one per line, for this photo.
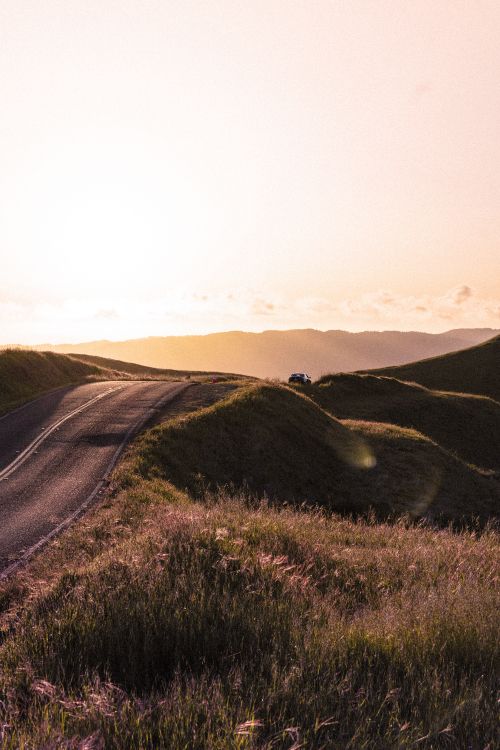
<point x="101" y="218"/>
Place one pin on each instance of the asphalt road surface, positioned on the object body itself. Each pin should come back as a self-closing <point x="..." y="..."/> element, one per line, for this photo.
<point x="56" y="454"/>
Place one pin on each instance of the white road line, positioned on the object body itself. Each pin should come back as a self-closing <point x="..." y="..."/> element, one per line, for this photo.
<point x="78" y="512"/>
<point x="21" y="458"/>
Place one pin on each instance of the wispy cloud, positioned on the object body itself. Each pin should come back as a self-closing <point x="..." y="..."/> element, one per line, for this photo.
<point x="263" y="307"/>
<point x="458" y="306"/>
<point x="107" y="314"/>
<point x="36" y="321"/>
<point x="461" y="294"/>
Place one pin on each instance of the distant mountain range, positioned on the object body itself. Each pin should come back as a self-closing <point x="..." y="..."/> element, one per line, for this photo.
<point x="275" y="354"/>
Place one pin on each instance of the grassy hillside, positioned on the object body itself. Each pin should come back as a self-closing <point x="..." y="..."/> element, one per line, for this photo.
<point x="465" y="424"/>
<point x="269" y="439"/>
<point x="225" y="623"/>
<point x="473" y="370"/>
<point x="26" y="374"/>
<point x="278" y="353"/>
<point x="143" y="371"/>
<point x="161" y="622"/>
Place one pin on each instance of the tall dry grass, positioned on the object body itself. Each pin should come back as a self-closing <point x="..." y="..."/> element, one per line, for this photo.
<point x="225" y="626"/>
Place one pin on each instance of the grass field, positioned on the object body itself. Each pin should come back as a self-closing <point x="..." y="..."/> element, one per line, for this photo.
<point x="163" y="622"/>
<point x="206" y="605"/>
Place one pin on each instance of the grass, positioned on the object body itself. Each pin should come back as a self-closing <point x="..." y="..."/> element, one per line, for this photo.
<point x="268" y="439"/>
<point x="236" y="627"/>
<point x="27" y="374"/>
<point x="464" y="424"/>
<point x="144" y="372"/>
<point x="473" y="370"/>
<point x="202" y="607"/>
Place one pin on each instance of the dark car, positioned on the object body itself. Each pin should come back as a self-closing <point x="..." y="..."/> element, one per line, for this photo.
<point x="299" y="377"/>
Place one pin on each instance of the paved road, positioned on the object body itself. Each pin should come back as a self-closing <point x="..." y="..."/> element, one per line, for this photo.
<point x="56" y="452"/>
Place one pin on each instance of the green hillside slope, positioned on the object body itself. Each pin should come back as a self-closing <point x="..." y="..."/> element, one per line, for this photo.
<point x="144" y="371"/>
<point x="465" y="424"/>
<point x="474" y="370"/>
<point x="26" y="374"/>
<point x="271" y="440"/>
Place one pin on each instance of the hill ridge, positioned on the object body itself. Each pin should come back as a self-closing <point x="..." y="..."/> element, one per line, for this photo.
<point x="274" y="353"/>
<point x="473" y="370"/>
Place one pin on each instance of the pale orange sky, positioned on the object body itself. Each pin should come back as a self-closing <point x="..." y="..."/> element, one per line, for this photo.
<point x="183" y="167"/>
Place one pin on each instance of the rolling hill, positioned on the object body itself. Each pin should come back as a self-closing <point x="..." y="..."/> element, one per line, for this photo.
<point x="140" y="626"/>
<point x="472" y="370"/>
<point x="145" y="371"/>
<point x="271" y="440"/>
<point x="468" y="425"/>
<point x="277" y="353"/>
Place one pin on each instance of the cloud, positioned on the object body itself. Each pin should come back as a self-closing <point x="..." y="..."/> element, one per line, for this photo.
<point x="315" y="305"/>
<point x="20" y="298"/>
<point x="382" y="304"/>
<point x="261" y="307"/>
<point x="186" y="312"/>
<point x="107" y="314"/>
<point x="458" y="306"/>
<point x="387" y="299"/>
<point x="461" y="294"/>
<point x="377" y="304"/>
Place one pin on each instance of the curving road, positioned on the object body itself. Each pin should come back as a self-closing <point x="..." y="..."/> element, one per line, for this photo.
<point x="56" y="454"/>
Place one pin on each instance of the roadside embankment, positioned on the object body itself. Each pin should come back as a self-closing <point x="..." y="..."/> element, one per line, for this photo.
<point x="27" y="374"/>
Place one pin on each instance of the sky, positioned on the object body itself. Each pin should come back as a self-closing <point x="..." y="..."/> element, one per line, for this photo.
<point x="187" y="166"/>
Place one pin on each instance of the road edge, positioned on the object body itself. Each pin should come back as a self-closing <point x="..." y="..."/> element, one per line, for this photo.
<point x="131" y="433"/>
